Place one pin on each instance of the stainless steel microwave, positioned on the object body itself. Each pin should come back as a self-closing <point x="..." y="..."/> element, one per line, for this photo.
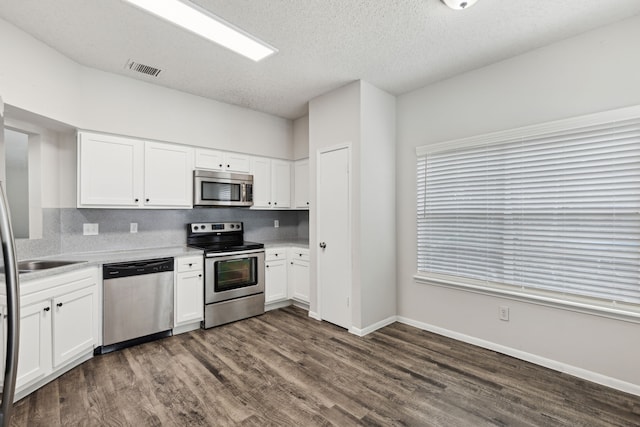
<point x="222" y="189"/>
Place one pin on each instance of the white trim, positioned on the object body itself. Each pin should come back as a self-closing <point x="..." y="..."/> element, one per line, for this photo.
<point x="314" y="315"/>
<point x="585" y="305"/>
<point x="278" y="304"/>
<point x="320" y="151"/>
<point x="181" y="329"/>
<point x="374" y="327"/>
<point x="620" y="114"/>
<point x="575" y="371"/>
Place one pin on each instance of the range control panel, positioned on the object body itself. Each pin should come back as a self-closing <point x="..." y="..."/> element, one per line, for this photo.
<point x="212" y="227"/>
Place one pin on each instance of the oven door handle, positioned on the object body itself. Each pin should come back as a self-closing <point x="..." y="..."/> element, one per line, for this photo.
<point x="228" y="254"/>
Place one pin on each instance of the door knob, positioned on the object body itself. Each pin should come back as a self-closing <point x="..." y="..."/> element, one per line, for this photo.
<point x="323" y="245"/>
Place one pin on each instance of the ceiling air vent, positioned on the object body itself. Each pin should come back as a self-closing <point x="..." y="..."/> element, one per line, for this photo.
<point x="144" y="69"/>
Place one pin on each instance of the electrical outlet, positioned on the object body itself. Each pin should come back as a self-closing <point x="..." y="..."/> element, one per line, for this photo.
<point x="504" y="313"/>
<point x="276" y="223"/>
<point x="90" y="229"/>
<point x="133" y="227"/>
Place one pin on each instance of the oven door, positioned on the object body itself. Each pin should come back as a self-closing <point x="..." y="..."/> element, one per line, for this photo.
<point x="233" y="275"/>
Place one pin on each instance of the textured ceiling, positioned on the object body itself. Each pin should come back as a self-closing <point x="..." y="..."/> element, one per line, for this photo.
<point x="396" y="45"/>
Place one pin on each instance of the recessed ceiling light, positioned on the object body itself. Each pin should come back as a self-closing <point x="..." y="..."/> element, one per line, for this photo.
<point x="459" y="4"/>
<point x="205" y="24"/>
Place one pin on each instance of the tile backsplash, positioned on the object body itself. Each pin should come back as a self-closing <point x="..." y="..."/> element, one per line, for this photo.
<point x="63" y="228"/>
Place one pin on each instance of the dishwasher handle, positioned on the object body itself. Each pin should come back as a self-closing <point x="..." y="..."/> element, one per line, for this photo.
<point x="137" y="268"/>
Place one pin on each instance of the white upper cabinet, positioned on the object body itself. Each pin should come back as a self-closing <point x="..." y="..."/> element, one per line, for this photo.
<point x="168" y="175"/>
<point x="109" y="171"/>
<point x="261" y="170"/>
<point x="221" y="161"/>
<point x="271" y="183"/>
<point x="301" y="184"/>
<point x="280" y="184"/>
<point x="118" y="172"/>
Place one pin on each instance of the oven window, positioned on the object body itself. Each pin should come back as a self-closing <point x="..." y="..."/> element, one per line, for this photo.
<point x="221" y="192"/>
<point x="236" y="273"/>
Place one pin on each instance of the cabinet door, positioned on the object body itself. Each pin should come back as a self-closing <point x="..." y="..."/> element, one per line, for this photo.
<point x="239" y="163"/>
<point x="209" y="159"/>
<point x="299" y="279"/>
<point x="74" y="320"/>
<point x="280" y="184"/>
<point x="261" y="170"/>
<point x="301" y="184"/>
<point x="34" y="354"/>
<point x="168" y="175"/>
<point x="189" y="297"/>
<point x="275" y="281"/>
<point x="109" y="171"/>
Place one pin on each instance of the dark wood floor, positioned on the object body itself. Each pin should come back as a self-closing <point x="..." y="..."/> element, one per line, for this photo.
<point x="284" y="369"/>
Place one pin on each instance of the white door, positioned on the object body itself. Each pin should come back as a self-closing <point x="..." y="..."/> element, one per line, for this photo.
<point x="301" y="184"/>
<point x="34" y="354"/>
<point x="189" y="297"/>
<point x="280" y="184"/>
<point x="261" y="170"/>
<point x="208" y="159"/>
<point x="299" y="279"/>
<point x="73" y="324"/>
<point x="334" y="253"/>
<point x="110" y="171"/>
<point x="168" y="175"/>
<point x="275" y="281"/>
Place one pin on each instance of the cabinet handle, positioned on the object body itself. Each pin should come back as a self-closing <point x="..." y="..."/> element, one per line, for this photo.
<point x="299" y="254"/>
<point x="220" y="164"/>
<point x="137" y="200"/>
<point x="59" y="304"/>
<point x="267" y="266"/>
<point x="228" y="166"/>
<point x="190" y="264"/>
<point x="291" y="262"/>
<point x="199" y="275"/>
<point x="269" y="202"/>
<point x="275" y="203"/>
<point x="147" y="200"/>
<point x="47" y="308"/>
<point x="307" y="203"/>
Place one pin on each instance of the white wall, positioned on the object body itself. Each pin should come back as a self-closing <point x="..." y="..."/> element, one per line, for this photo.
<point x="334" y="118"/>
<point x="595" y="71"/>
<point x="377" y="217"/>
<point x="363" y="116"/>
<point x="38" y="79"/>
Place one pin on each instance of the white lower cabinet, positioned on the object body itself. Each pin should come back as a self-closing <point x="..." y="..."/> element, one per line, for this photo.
<point x="299" y="274"/>
<point x="275" y="275"/>
<point x="34" y="354"/>
<point x="286" y="275"/>
<point x="189" y="293"/>
<point x="59" y="326"/>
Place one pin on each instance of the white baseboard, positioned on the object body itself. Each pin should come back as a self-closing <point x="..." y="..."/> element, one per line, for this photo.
<point x="371" y="328"/>
<point x="186" y="328"/>
<point x="522" y="355"/>
<point x="314" y="315"/>
<point x="278" y="304"/>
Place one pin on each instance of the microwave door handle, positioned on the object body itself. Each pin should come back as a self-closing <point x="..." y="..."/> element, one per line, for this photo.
<point x="243" y="192"/>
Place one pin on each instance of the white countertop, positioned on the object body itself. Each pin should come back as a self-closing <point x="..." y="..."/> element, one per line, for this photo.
<point x="97" y="259"/>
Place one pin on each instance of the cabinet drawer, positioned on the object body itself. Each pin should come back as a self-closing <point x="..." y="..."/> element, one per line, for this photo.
<point x="275" y="254"/>
<point x="185" y="264"/>
<point x="299" y="253"/>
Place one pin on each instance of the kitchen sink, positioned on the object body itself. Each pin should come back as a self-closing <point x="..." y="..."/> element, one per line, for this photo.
<point x="37" y="265"/>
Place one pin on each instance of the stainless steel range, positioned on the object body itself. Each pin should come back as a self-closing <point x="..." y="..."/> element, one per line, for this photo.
<point x="233" y="272"/>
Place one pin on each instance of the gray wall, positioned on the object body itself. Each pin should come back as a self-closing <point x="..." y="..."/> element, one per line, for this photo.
<point x="593" y="72"/>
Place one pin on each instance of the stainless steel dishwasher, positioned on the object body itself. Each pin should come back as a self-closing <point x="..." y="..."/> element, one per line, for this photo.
<point x="137" y="302"/>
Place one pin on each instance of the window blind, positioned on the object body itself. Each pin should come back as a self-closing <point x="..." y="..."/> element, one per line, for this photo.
<point x="555" y="211"/>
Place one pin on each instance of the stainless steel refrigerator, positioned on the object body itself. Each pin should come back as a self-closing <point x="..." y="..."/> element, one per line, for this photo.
<point x="13" y="306"/>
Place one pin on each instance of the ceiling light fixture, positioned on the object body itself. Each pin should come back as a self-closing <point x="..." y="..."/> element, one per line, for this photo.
<point x="205" y="24"/>
<point x="459" y="4"/>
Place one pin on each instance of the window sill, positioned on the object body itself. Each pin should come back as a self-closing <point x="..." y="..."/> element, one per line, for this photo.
<point x="612" y="310"/>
